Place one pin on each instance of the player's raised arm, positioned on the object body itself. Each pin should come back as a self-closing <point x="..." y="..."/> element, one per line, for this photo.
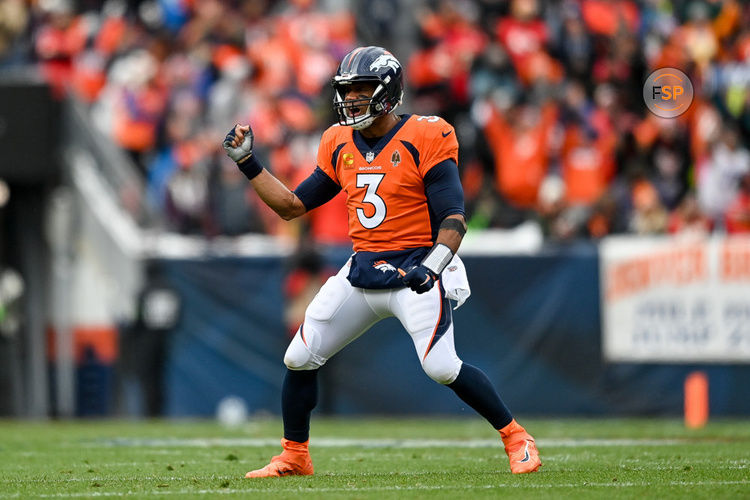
<point x="239" y="147"/>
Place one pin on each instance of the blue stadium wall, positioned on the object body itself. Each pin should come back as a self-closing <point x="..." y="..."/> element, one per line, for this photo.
<point x="532" y="324"/>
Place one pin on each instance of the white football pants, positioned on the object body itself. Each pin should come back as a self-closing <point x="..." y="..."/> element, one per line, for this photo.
<point x="340" y="313"/>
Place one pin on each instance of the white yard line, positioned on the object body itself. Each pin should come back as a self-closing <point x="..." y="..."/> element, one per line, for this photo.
<point x="547" y="459"/>
<point x="122" y="477"/>
<point x="350" y="489"/>
<point x="377" y="443"/>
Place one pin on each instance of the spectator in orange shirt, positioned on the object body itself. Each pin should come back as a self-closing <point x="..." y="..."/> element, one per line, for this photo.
<point x="587" y="153"/>
<point x="139" y="101"/>
<point x="588" y="165"/>
<point x="520" y="144"/>
<point x="610" y="17"/>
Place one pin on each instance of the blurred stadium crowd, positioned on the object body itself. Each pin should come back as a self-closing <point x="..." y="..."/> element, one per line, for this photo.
<point x="546" y="97"/>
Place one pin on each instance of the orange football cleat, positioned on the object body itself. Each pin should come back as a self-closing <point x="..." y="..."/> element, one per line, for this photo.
<point x="294" y="461"/>
<point x="520" y="448"/>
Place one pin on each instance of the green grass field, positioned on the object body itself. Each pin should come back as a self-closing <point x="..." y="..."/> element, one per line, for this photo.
<point x="375" y="458"/>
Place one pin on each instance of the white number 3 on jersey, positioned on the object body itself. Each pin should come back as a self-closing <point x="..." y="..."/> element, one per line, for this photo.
<point x="371" y="182"/>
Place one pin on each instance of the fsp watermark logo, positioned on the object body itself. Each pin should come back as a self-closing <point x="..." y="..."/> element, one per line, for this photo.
<point x="668" y="92"/>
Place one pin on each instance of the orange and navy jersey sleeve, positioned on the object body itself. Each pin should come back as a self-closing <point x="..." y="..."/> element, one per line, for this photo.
<point x="329" y="149"/>
<point x="436" y="142"/>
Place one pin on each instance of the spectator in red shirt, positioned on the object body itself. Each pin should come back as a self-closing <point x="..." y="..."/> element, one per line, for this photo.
<point x="524" y="37"/>
<point x="59" y="40"/>
<point x="737" y="215"/>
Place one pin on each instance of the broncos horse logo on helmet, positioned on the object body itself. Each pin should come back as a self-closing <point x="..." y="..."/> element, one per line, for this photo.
<point x="385" y="61"/>
<point x="368" y="64"/>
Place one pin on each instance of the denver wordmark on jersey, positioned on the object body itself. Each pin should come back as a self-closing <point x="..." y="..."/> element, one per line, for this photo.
<point x="384" y="184"/>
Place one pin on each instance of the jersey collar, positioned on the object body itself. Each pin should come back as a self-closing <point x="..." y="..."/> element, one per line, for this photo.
<point x="362" y="146"/>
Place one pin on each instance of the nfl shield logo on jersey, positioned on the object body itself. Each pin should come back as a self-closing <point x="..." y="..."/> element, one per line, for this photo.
<point x="370" y="156"/>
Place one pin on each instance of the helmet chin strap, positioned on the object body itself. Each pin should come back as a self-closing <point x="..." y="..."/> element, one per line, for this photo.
<point x="366" y="120"/>
<point x="364" y="123"/>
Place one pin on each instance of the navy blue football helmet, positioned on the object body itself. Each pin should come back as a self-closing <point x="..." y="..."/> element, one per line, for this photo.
<point x="368" y="64"/>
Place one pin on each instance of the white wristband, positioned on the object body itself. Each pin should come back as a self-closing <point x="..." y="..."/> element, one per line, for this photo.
<point x="439" y="257"/>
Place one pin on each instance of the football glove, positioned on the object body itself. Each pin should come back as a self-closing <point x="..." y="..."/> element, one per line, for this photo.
<point x="242" y="151"/>
<point x="418" y="278"/>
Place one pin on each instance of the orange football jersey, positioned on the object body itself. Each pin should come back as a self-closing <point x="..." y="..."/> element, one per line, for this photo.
<point x="386" y="201"/>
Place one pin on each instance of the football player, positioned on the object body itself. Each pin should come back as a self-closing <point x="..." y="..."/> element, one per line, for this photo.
<point x="406" y="221"/>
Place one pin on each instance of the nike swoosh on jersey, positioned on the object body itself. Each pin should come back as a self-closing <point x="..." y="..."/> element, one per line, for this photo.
<point x="446" y="134"/>
<point x="526" y="456"/>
